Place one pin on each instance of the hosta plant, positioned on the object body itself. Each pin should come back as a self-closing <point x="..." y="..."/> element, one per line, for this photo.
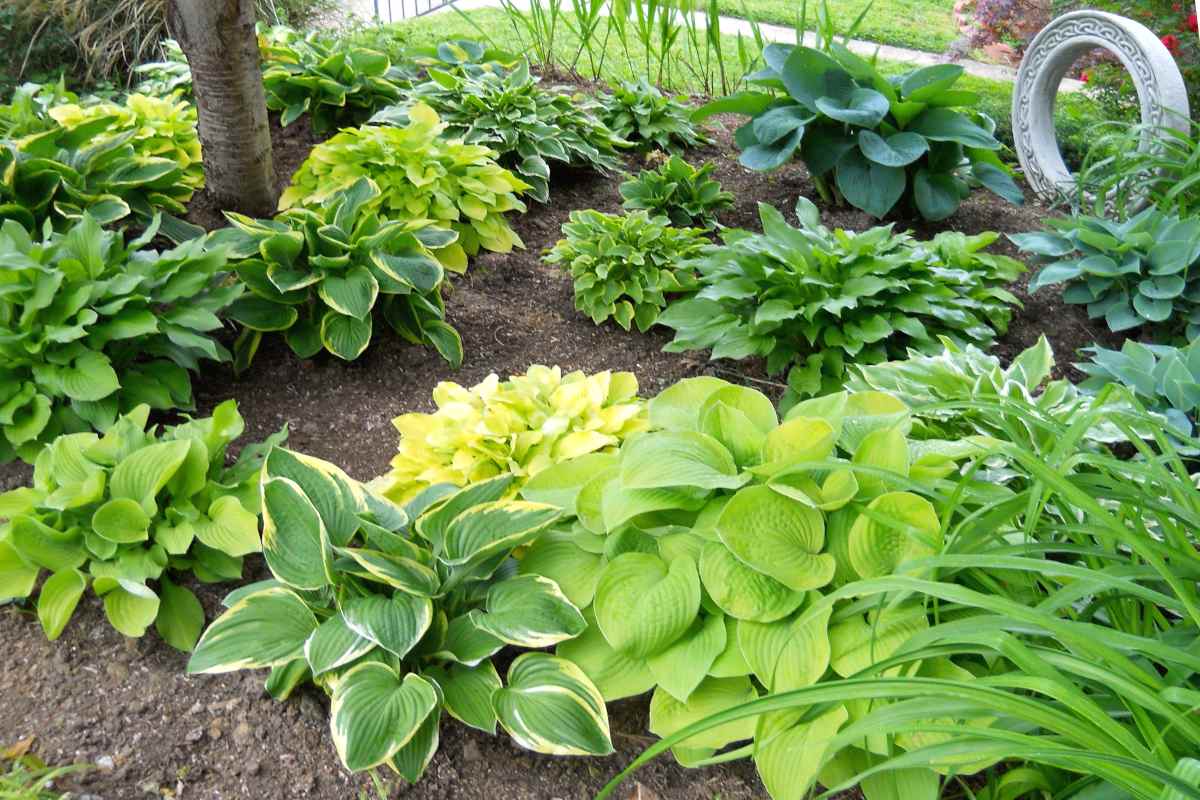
<point x="519" y="426"/>
<point x="397" y="613"/>
<point x="335" y="82"/>
<point x="91" y="327"/>
<point x="122" y="511"/>
<point x="1131" y="274"/>
<point x="701" y="551"/>
<point x="1164" y="379"/>
<point x="822" y="298"/>
<point x="320" y="275"/>
<point x="171" y="77"/>
<point x="874" y="142"/>
<point x="421" y="175"/>
<point x="684" y="194"/>
<point x="28" y="111"/>
<point x="527" y="125"/>
<point x="641" y="113"/>
<point x="625" y="265"/>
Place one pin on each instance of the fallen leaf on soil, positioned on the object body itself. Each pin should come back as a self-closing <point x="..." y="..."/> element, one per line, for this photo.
<point x="17" y="750"/>
<point x="641" y="793"/>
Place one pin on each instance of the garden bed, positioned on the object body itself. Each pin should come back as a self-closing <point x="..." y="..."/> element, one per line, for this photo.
<point x="128" y="705"/>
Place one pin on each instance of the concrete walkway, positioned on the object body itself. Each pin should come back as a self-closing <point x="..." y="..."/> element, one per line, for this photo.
<point x="732" y="26"/>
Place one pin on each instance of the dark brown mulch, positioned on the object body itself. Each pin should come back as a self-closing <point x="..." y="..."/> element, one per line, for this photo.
<point x="95" y="695"/>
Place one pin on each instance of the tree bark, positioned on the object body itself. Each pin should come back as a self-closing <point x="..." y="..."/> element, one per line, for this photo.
<point x="221" y="46"/>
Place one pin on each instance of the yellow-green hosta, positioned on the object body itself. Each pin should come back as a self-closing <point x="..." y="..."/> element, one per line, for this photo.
<point x="519" y="426"/>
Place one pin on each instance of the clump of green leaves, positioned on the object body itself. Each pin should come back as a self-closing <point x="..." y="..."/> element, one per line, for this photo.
<point x="822" y="298"/>
<point x="1135" y="273"/>
<point x="28" y="111"/>
<point x="871" y="141"/>
<point x="684" y="194"/>
<point x="171" y="77"/>
<point x="518" y="427"/>
<point x="625" y="265"/>
<point x="397" y="613"/>
<point x="1165" y="379"/>
<point x="335" y="82"/>
<point x="121" y="511"/>
<point x="91" y="327"/>
<point x="318" y="276"/>
<point x="421" y="176"/>
<point x="641" y="113"/>
<point x="527" y="125"/>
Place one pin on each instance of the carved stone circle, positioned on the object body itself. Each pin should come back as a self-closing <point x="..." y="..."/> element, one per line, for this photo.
<point x="1160" y="87"/>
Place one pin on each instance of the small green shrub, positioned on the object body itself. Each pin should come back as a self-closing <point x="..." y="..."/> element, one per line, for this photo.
<point x="1131" y="274"/>
<point x="128" y="508"/>
<point x="874" y="142"/>
<point x="519" y="426"/>
<point x="91" y="327"/>
<point x="624" y="266"/>
<point x="1165" y="379"/>
<point x="527" y="125"/>
<point x="821" y="298"/>
<point x="334" y="82"/>
<point x="397" y="613"/>
<point x="318" y="275"/>
<point x="641" y="113"/>
<point x="420" y="176"/>
<point x="679" y="191"/>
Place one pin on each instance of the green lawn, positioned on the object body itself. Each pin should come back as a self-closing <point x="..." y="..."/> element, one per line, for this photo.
<point x="915" y="24"/>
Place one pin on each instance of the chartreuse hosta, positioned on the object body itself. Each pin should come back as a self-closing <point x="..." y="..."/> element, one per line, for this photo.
<point x="317" y="275"/>
<point x="129" y="508"/>
<point x="397" y="612"/>
<point x="700" y="553"/>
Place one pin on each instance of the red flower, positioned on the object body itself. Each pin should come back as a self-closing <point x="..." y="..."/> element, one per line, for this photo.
<point x="1177" y="7"/>
<point x="1191" y="22"/>
<point x="1085" y="77"/>
<point x="1172" y="42"/>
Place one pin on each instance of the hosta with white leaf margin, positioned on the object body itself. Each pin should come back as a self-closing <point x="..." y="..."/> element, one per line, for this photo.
<point x="396" y="612"/>
<point x="701" y="552"/>
<point x="519" y="426"/>
<point x="132" y="507"/>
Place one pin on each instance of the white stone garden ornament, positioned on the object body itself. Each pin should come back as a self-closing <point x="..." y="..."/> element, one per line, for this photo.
<point x="1160" y="88"/>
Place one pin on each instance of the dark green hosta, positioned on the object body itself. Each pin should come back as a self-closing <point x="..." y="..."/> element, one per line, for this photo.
<point x="527" y="125"/>
<point x="873" y="141"/>
<point x="397" y="612"/>
<point x="130" y="508"/>
<point x="91" y="327"/>
<point x="334" y="82"/>
<point x="319" y="275"/>
<point x="676" y="189"/>
<point x="822" y="298"/>
<point x="641" y="113"/>
<point x="1165" y="379"/>
<point x="624" y="266"/>
<point x="1130" y="274"/>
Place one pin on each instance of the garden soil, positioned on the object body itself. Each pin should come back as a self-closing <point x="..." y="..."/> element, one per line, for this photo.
<point x="127" y="705"/>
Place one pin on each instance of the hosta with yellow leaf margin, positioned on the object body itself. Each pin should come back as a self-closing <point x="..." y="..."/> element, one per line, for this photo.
<point x="520" y="426"/>
<point x="396" y="612"/>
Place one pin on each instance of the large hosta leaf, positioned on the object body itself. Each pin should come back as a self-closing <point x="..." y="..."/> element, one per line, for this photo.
<point x="678" y="458"/>
<point x="57" y="600"/>
<point x="141" y="475"/>
<point x="668" y="715"/>
<point x="777" y="536"/>
<point x="550" y="706"/>
<point x="294" y="540"/>
<point x="468" y="692"/>
<point x="789" y="653"/>
<point x="684" y="664"/>
<point x="529" y="611"/>
<point x="859" y="642"/>
<point x="492" y="528"/>
<point x="616" y="675"/>
<point x="264" y="629"/>
<point x="229" y="527"/>
<point x="333" y="645"/>
<point x="643" y="604"/>
<point x="556" y="556"/>
<point x="394" y="623"/>
<point x="374" y="713"/>
<point x="788" y="760"/>
<point x="741" y="591"/>
<point x="896" y="527"/>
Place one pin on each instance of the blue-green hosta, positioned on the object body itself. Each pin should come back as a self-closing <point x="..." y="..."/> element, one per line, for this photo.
<point x="699" y="550"/>
<point x="319" y="275"/>
<point x="822" y="299"/>
<point x="875" y="142"/>
<point x="91" y="327"/>
<point x="527" y="125"/>
<point x="421" y="176"/>
<point x="624" y="266"/>
<point x="121" y="511"/>
<point x="397" y="613"/>
<point x="1131" y="274"/>
<point x="1165" y="379"/>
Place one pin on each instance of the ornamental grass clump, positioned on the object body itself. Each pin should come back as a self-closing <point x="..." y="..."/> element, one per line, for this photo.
<point x="519" y="426"/>
<point x="421" y="175"/>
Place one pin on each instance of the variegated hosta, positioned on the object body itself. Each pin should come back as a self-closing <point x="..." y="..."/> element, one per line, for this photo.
<point x="127" y="509"/>
<point x="421" y="175"/>
<point x="520" y="426"/>
<point x="318" y="275"/>
<point x="700" y="553"/>
<point x="397" y="612"/>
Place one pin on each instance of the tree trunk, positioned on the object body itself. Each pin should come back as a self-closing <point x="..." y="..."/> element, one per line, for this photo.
<point x="218" y="38"/>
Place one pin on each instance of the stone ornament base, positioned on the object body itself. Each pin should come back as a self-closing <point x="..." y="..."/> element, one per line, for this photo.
<point x="1161" y="91"/>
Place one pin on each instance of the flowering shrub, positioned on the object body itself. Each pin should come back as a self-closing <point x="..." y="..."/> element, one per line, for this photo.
<point x="1010" y="22"/>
